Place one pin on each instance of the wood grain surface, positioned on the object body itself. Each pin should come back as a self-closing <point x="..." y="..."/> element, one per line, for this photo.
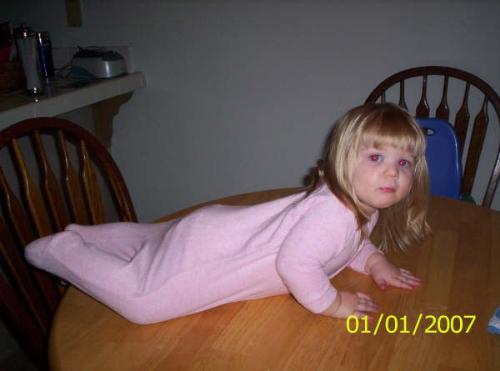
<point x="460" y="264"/>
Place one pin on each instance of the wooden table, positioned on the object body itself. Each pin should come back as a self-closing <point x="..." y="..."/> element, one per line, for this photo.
<point x="461" y="268"/>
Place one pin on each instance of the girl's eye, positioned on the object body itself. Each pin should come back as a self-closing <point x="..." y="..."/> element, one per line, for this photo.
<point x="404" y="163"/>
<point x="375" y="158"/>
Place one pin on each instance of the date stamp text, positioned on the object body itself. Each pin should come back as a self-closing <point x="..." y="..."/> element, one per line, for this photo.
<point x="426" y="323"/>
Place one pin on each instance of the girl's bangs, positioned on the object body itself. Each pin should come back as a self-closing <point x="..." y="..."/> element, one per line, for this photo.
<point x="397" y="134"/>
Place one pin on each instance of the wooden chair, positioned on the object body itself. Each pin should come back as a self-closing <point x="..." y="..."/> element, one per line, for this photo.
<point x="56" y="173"/>
<point x="470" y="138"/>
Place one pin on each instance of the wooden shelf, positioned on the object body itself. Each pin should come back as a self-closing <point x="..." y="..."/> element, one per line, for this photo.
<point x="105" y="97"/>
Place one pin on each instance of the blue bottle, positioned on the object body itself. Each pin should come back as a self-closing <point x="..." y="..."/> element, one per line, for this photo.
<point x="45" y="54"/>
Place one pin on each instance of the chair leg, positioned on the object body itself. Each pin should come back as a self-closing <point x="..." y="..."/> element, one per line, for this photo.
<point x="22" y="327"/>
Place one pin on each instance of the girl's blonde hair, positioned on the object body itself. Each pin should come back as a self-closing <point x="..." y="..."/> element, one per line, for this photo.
<point x="376" y="125"/>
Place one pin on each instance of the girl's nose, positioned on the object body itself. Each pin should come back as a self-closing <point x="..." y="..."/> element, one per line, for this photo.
<point x="391" y="170"/>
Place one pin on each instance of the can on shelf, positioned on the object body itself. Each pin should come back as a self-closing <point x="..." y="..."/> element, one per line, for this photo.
<point x="45" y="54"/>
<point x="28" y="54"/>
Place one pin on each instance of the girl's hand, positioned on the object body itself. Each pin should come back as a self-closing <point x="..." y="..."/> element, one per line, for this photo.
<point x="347" y="304"/>
<point x="385" y="274"/>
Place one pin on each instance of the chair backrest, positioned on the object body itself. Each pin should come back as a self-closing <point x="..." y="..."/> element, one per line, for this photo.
<point x="52" y="173"/>
<point x="443" y="157"/>
<point x="470" y="137"/>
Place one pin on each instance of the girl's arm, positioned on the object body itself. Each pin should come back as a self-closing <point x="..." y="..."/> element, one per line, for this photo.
<point x="386" y="274"/>
<point x="316" y="237"/>
<point x="366" y="250"/>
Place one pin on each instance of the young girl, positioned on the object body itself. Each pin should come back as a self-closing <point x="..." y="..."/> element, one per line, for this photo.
<point x="374" y="169"/>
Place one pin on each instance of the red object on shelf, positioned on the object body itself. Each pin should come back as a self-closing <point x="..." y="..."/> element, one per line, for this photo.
<point x="4" y="53"/>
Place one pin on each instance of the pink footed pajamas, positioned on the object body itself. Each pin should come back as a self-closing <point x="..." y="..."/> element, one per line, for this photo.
<point x="215" y="255"/>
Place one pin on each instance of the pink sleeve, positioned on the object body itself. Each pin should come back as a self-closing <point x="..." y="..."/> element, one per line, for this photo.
<point x="366" y="250"/>
<point x="310" y="243"/>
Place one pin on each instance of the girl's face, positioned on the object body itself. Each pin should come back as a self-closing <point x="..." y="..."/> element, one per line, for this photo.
<point x="382" y="176"/>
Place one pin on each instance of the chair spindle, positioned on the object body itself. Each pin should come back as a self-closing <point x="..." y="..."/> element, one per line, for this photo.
<point x="475" y="145"/>
<point x="72" y="186"/>
<point x="91" y="187"/>
<point x="31" y="195"/>
<point x="50" y="186"/>
<point x="402" y="101"/>
<point x="13" y="209"/>
<point x="492" y="183"/>
<point x="423" y="105"/>
<point x="443" y="111"/>
<point x="124" y="212"/>
<point x="462" y="118"/>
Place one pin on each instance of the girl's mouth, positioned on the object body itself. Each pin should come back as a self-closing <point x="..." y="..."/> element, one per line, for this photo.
<point x="388" y="189"/>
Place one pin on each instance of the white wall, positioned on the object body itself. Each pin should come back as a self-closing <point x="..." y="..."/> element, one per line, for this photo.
<point x="241" y="94"/>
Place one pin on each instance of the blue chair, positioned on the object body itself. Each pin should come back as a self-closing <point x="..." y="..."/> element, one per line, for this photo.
<point x="443" y="157"/>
